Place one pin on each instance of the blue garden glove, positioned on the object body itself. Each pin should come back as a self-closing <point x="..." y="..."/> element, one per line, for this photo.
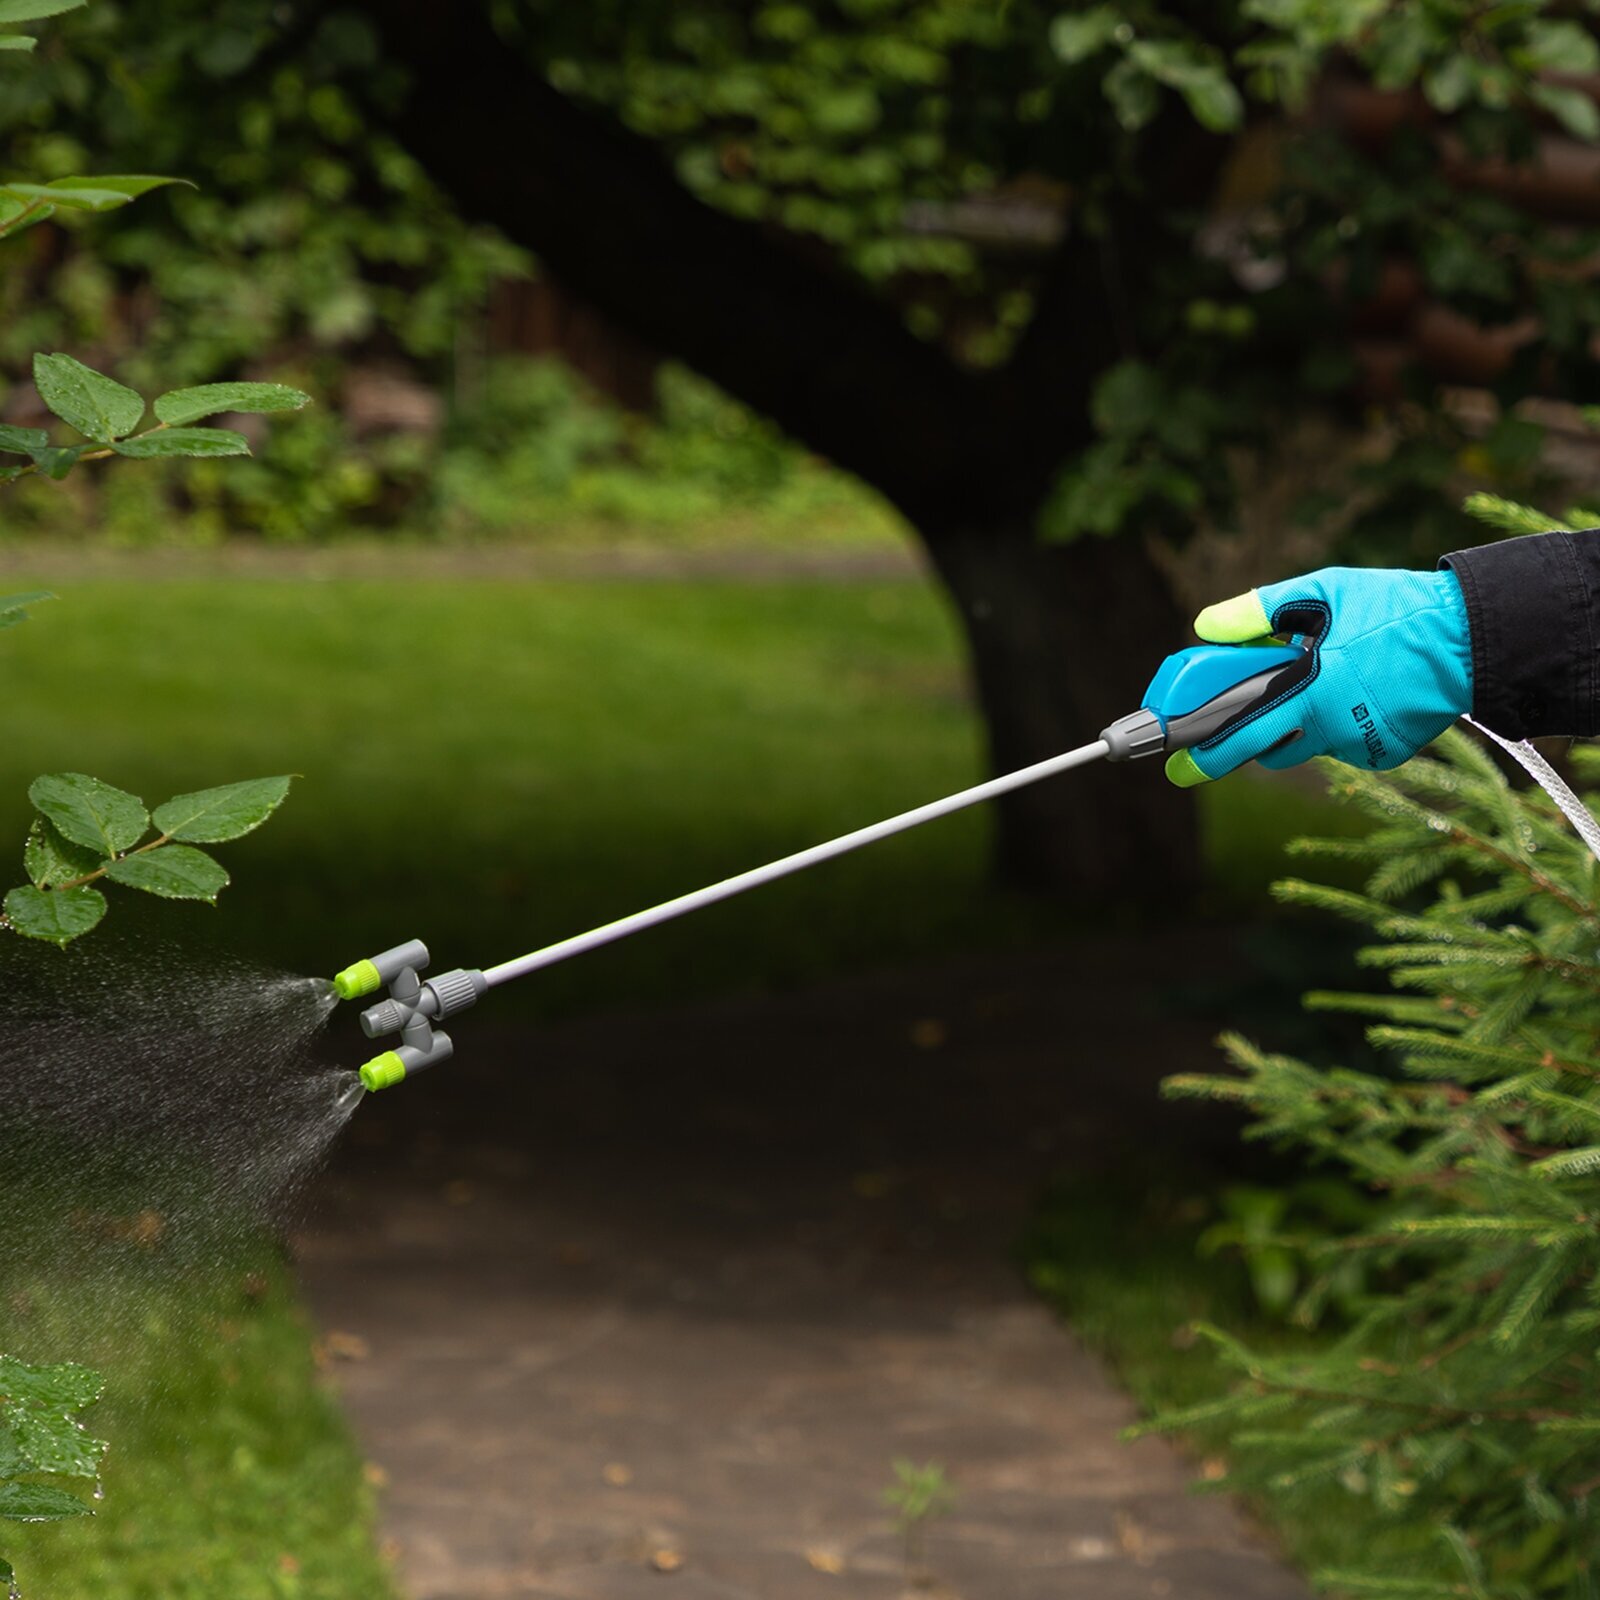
<point x="1389" y="669"/>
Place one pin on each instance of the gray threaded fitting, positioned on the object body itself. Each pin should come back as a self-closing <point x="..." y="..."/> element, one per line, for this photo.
<point x="455" y="991"/>
<point x="1138" y="734"/>
<point x="387" y="1016"/>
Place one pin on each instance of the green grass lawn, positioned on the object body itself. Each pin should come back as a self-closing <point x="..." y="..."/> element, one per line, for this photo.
<point x="491" y="765"/>
<point x="488" y="765"/>
<point x="230" y="1471"/>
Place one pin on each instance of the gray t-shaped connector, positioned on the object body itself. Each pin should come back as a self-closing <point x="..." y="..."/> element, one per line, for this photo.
<point x="413" y="1005"/>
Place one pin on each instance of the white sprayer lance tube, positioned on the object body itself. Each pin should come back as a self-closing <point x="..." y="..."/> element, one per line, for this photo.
<point x="798" y="862"/>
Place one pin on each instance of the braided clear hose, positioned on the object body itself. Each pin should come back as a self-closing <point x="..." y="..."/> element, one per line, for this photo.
<point x="1553" y="784"/>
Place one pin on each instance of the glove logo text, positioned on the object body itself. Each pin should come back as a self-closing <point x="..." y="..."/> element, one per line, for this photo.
<point x="1367" y="724"/>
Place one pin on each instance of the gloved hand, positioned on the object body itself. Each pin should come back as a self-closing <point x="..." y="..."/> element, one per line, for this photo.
<point x="1389" y="669"/>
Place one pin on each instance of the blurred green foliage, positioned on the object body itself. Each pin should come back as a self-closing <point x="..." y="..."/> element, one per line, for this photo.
<point x="535" y="446"/>
<point x="527" y="448"/>
<point x="861" y="128"/>
<point x="307" y="232"/>
<point x="865" y="125"/>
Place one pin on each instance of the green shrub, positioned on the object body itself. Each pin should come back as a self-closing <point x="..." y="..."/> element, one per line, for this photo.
<point x="86" y="832"/>
<point x="1459" y="1393"/>
<point x="534" y="447"/>
<point x="529" y="449"/>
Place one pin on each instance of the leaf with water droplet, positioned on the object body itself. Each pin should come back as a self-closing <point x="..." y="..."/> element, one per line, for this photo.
<point x="48" y="1440"/>
<point x="175" y="872"/>
<point x="65" y="1384"/>
<point x="56" y="915"/>
<point x="189" y="405"/>
<point x="96" y="815"/>
<point x="214" y="816"/>
<point x="49" y="859"/>
<point x="89" y="401"/>
<point x="39" y="1502"/>
<point x="160" y="445"/>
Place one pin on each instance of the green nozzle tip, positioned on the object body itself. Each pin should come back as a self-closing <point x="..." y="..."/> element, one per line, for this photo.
<point x="382" y="1072"/>
<point x="356" y="981"/>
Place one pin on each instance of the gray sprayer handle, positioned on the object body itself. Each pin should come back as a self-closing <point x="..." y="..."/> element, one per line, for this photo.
<point x="1195" y="727"/>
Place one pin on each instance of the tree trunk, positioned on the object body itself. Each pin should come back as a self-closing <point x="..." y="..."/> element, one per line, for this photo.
<point x="1062" y="640"/>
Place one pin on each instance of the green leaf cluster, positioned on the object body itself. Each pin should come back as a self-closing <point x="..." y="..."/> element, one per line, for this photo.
<point x="309" y="227"/>
<point x="42" y="1439"/>
<point x="1461" y="1396"/>
<point x="87" y="832"/>
<point x="106" y="413"/>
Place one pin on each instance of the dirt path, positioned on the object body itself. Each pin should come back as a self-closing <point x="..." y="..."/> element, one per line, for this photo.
<point x="668" y="1294"/>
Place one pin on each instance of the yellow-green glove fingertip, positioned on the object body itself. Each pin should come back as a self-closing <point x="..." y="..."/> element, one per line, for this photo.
<point x="1184" y="770"/>
<point x="1235" y="621"/>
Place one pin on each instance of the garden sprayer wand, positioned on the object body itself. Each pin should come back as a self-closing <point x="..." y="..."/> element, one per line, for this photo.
<point x="1195" y="694"/>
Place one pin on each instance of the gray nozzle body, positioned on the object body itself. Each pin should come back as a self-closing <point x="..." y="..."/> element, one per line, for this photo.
<point x="412" y="1002"/>
<point x="413" y="954"/>
<point x="409" y="1010"/>
<point x="417" y="1056"/>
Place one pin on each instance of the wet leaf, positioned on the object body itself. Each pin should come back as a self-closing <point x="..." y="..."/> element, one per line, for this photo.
<point x="22" y="441"/>
<point x="38" y="1502"/>
<point x="50" y="1440"/>
<point x="89" y="401"/>
<point x="49" y="859"/>
<point x="183" y="442"/>
<point x="65" y="1384"/>
<point x="207" y="399"/>
<point x="214" y="816"/>
<point x="56" y="915"/>
<point x="96" y="815"/>
<point x="174" y="872"/>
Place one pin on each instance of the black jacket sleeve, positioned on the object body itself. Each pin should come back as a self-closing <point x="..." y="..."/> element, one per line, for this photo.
<point x="1533" y="605"/>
